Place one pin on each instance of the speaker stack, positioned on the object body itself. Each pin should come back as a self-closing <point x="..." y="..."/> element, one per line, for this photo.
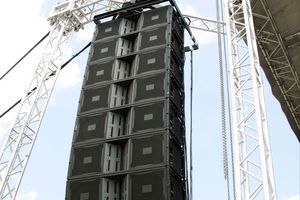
<point x="129" y="137"/>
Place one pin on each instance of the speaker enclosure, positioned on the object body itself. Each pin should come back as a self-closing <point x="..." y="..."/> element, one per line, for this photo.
<point x="129" y="137"/>
<point x="157" y="184"/>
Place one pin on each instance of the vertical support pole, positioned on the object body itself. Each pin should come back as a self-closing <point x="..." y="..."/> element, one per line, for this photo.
<point x="252" y="153"/>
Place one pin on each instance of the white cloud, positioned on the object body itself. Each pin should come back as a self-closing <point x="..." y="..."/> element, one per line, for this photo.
<point x="86" y="34"/>
<point x="296" y="197"/>
<point x="32" y="195"/>
<point x="22" y="28"/>
<point x="69" y="76"/>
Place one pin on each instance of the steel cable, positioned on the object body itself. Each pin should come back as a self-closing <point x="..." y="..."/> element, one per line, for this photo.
<point x="25" y="55"/>
<point x="33" y="90"/>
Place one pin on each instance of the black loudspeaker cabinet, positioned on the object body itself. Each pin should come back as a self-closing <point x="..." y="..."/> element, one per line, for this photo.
<point x="83" y="190"/>
<point x="156" y="116"/>
<point x="95" y="98"/>
<point x="133" y="153"/>
<point x="156" y="17"/>
<point x="158" y="184"/>
<point x="100" y="72"/>
<point x="129" y="137"/>
<point x="87" y="159"/>
<point x="156" y="150"/>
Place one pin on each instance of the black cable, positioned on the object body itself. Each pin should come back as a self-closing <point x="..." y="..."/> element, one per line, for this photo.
<point x="10" y="108"/>
<point x="191" y="128"/>
<point x="77" y="54"/>
<point x="74" y="56"/>
<point x="29" y="93"/>
<point x="39" y="42"/>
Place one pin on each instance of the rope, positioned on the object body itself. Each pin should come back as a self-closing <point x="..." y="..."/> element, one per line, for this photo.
<point x="191" y="129"/>
<point x="26" y="54"/>
<point x="33" y="90"/>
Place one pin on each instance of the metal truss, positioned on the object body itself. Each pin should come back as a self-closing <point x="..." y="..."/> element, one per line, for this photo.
<point x="83" y="13"/>
<point x="273" y="49"/>
<point x="252" y="154"/>
<point x="67" y="17"/>
<point x="21" y="138"/>
<point x="205" y="24"/>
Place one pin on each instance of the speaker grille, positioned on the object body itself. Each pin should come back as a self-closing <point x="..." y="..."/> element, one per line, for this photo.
<point x="152" y="60"/>
<point x="87" y="160"/>
<point x="156" y="17"/>
<point x="150" y="87"/>
<point x="149" y="117"/>
<point x="95" y="98"/>
<point x="100" y="72"/>
<point x="148" y="186"/>
<point x="154" y="37"/>
<point x="91" y="127"/>
<point x="148" y="150"/>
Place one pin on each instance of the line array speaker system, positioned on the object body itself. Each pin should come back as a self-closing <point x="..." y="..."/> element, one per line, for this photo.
<point x="129" y="137"/>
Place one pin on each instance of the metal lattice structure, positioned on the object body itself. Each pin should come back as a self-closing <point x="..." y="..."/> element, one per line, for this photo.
<point x="67" y="17"/>
<point x="21" y="138"/>
<point x="276" y="51"/>
<point x="205" y="24"/>
<point x="251" y="148"/>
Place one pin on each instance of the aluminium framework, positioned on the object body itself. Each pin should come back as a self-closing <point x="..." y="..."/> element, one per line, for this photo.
<point x="251" y="147"/>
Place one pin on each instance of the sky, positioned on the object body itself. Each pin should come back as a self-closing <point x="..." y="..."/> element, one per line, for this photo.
<point x="45" y="176"/>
